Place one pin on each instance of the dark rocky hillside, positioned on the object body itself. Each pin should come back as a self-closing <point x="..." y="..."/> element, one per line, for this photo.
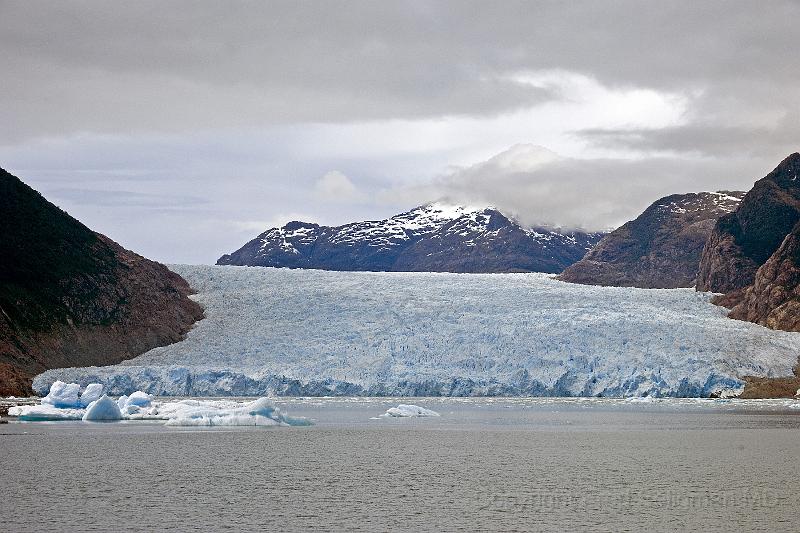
<point x="743" y="240"/>
<point x="72" y="297"/>
<point x="435" y="237"/>
<point x="661" y="248"/>
<point x="773" y="299"/>
<point x="753" y="254"/>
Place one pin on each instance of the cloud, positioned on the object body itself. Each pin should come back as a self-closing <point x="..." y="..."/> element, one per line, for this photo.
<point x="336" y="187"/>
<point x="207" y="113"/>
<point x="179" y="66"/>
<point x="127" y="199"/>
<point x="542" y="188"/>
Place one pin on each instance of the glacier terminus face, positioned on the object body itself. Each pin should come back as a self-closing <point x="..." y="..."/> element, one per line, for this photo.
<point x="319" y="333"/>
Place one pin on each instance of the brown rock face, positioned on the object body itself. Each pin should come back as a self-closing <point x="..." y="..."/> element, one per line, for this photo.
<point x="72" y="297"/>
<point x="743" y="241"/>
<point x="753" y="255"/>
<point x="774" y="298"/>
<point x="661" y="248"/>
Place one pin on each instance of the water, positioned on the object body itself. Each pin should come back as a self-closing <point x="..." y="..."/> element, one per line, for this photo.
<point x="488" y="464"/>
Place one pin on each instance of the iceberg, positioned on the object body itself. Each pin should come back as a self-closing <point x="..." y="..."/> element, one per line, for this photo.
<point x="103" y="409"/>
<point x="141" y="406"/>
<point x="45" y="413"/>
<point x="405" y="410"/>
<point x="439" y="334"/>
<point x="135" y="401"/>
<point x="258" y="413"/>
<point x="139" y="399"/>
<point x="92" y="392"/>
<point x="63" y="395"/>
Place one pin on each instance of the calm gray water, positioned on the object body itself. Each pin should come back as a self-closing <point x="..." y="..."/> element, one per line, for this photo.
<point x="504" y="464"/>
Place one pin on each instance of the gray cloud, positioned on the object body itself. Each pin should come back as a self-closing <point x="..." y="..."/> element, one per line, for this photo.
<point x="97" y="66"/>
<point x="712" y="137"/>
<point x="214" y="116"/>
<point x="122" y="198"/>
<point x="541" y="188"/>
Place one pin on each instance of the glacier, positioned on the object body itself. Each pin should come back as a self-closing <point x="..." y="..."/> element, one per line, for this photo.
<point x="289" y="332"/>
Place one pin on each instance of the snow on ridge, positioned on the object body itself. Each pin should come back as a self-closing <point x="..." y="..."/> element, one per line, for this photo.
<point x="295" y="332"/>
<point x="419" y="221"/>
<point x="426" y="219"/>
<point x="724" y="196"/>
<point x="281" y="237"/>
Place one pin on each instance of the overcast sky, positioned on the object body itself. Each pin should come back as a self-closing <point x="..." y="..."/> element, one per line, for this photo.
<point x="183" y="129"/>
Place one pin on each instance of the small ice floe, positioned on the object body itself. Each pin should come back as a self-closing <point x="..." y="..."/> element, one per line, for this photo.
<point x="92" y="392"/>
<point x="66" y="402"/>
<point x="406" y="411"/>
<point x="104" y="409"/>
<point x="258" y="413"/>
<point x="63" y="395"/>
<point x="133" y="404"/>
<point x="640" y="399"/>
<point x="44" y="413"/>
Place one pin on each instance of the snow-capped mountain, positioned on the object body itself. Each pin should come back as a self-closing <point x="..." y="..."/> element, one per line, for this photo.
<point x="661" y="248"/>
<point x="435" y="237"/>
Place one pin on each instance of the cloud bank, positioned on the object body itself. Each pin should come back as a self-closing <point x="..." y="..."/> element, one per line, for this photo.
<point x="176" y="126"/>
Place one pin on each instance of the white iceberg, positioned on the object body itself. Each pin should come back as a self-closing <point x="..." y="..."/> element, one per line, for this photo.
<point x="139" y="399"/>
<point x="92" y="392"/>
<point x="406" y="410"/>
<point x="134" y="402"/>
<point x="103" y="409"/>
<point x="45" y="413"/>
<point x="63" y="395"/>
<point x="61" y="405"/>
<point x="258" y="413"/>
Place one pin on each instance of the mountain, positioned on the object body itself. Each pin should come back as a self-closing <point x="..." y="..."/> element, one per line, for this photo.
<point x="753" y="254"/>
<point x="773" y="299"/>
<point x="434" y="237"/>
<point x="743" y="240"/>
<point x="72" y="297"/>
<point x="661" y="248"/>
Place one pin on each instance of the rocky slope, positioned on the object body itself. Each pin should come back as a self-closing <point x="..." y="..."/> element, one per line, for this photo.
<point x="753" y="254"/>
<point x="661" y="248"/>
<point x="72" y="297"/>
<point x="773" y="300"/>
<point x="434" y="237"/>
<point x="743" y="240"/>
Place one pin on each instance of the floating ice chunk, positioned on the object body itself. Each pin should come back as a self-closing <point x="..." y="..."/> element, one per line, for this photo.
<point x="122" y="401"/>
<point x="139" y="399"/>
<point x="129" y="410"/>
<point x="44" y="413"/>
<point x="404" y="410"/>
<point x="640" y="399"/>
<point x="133" y="404"/>
<point x="198" y="413"/>
<point x="63" y="395"/>
<point x="92" y="392"/>
<point x="102" y="409"/>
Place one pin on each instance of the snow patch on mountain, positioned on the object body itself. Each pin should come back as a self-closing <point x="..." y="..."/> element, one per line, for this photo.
<point x="458" y="238"/>
<point x="299" y="332"/>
